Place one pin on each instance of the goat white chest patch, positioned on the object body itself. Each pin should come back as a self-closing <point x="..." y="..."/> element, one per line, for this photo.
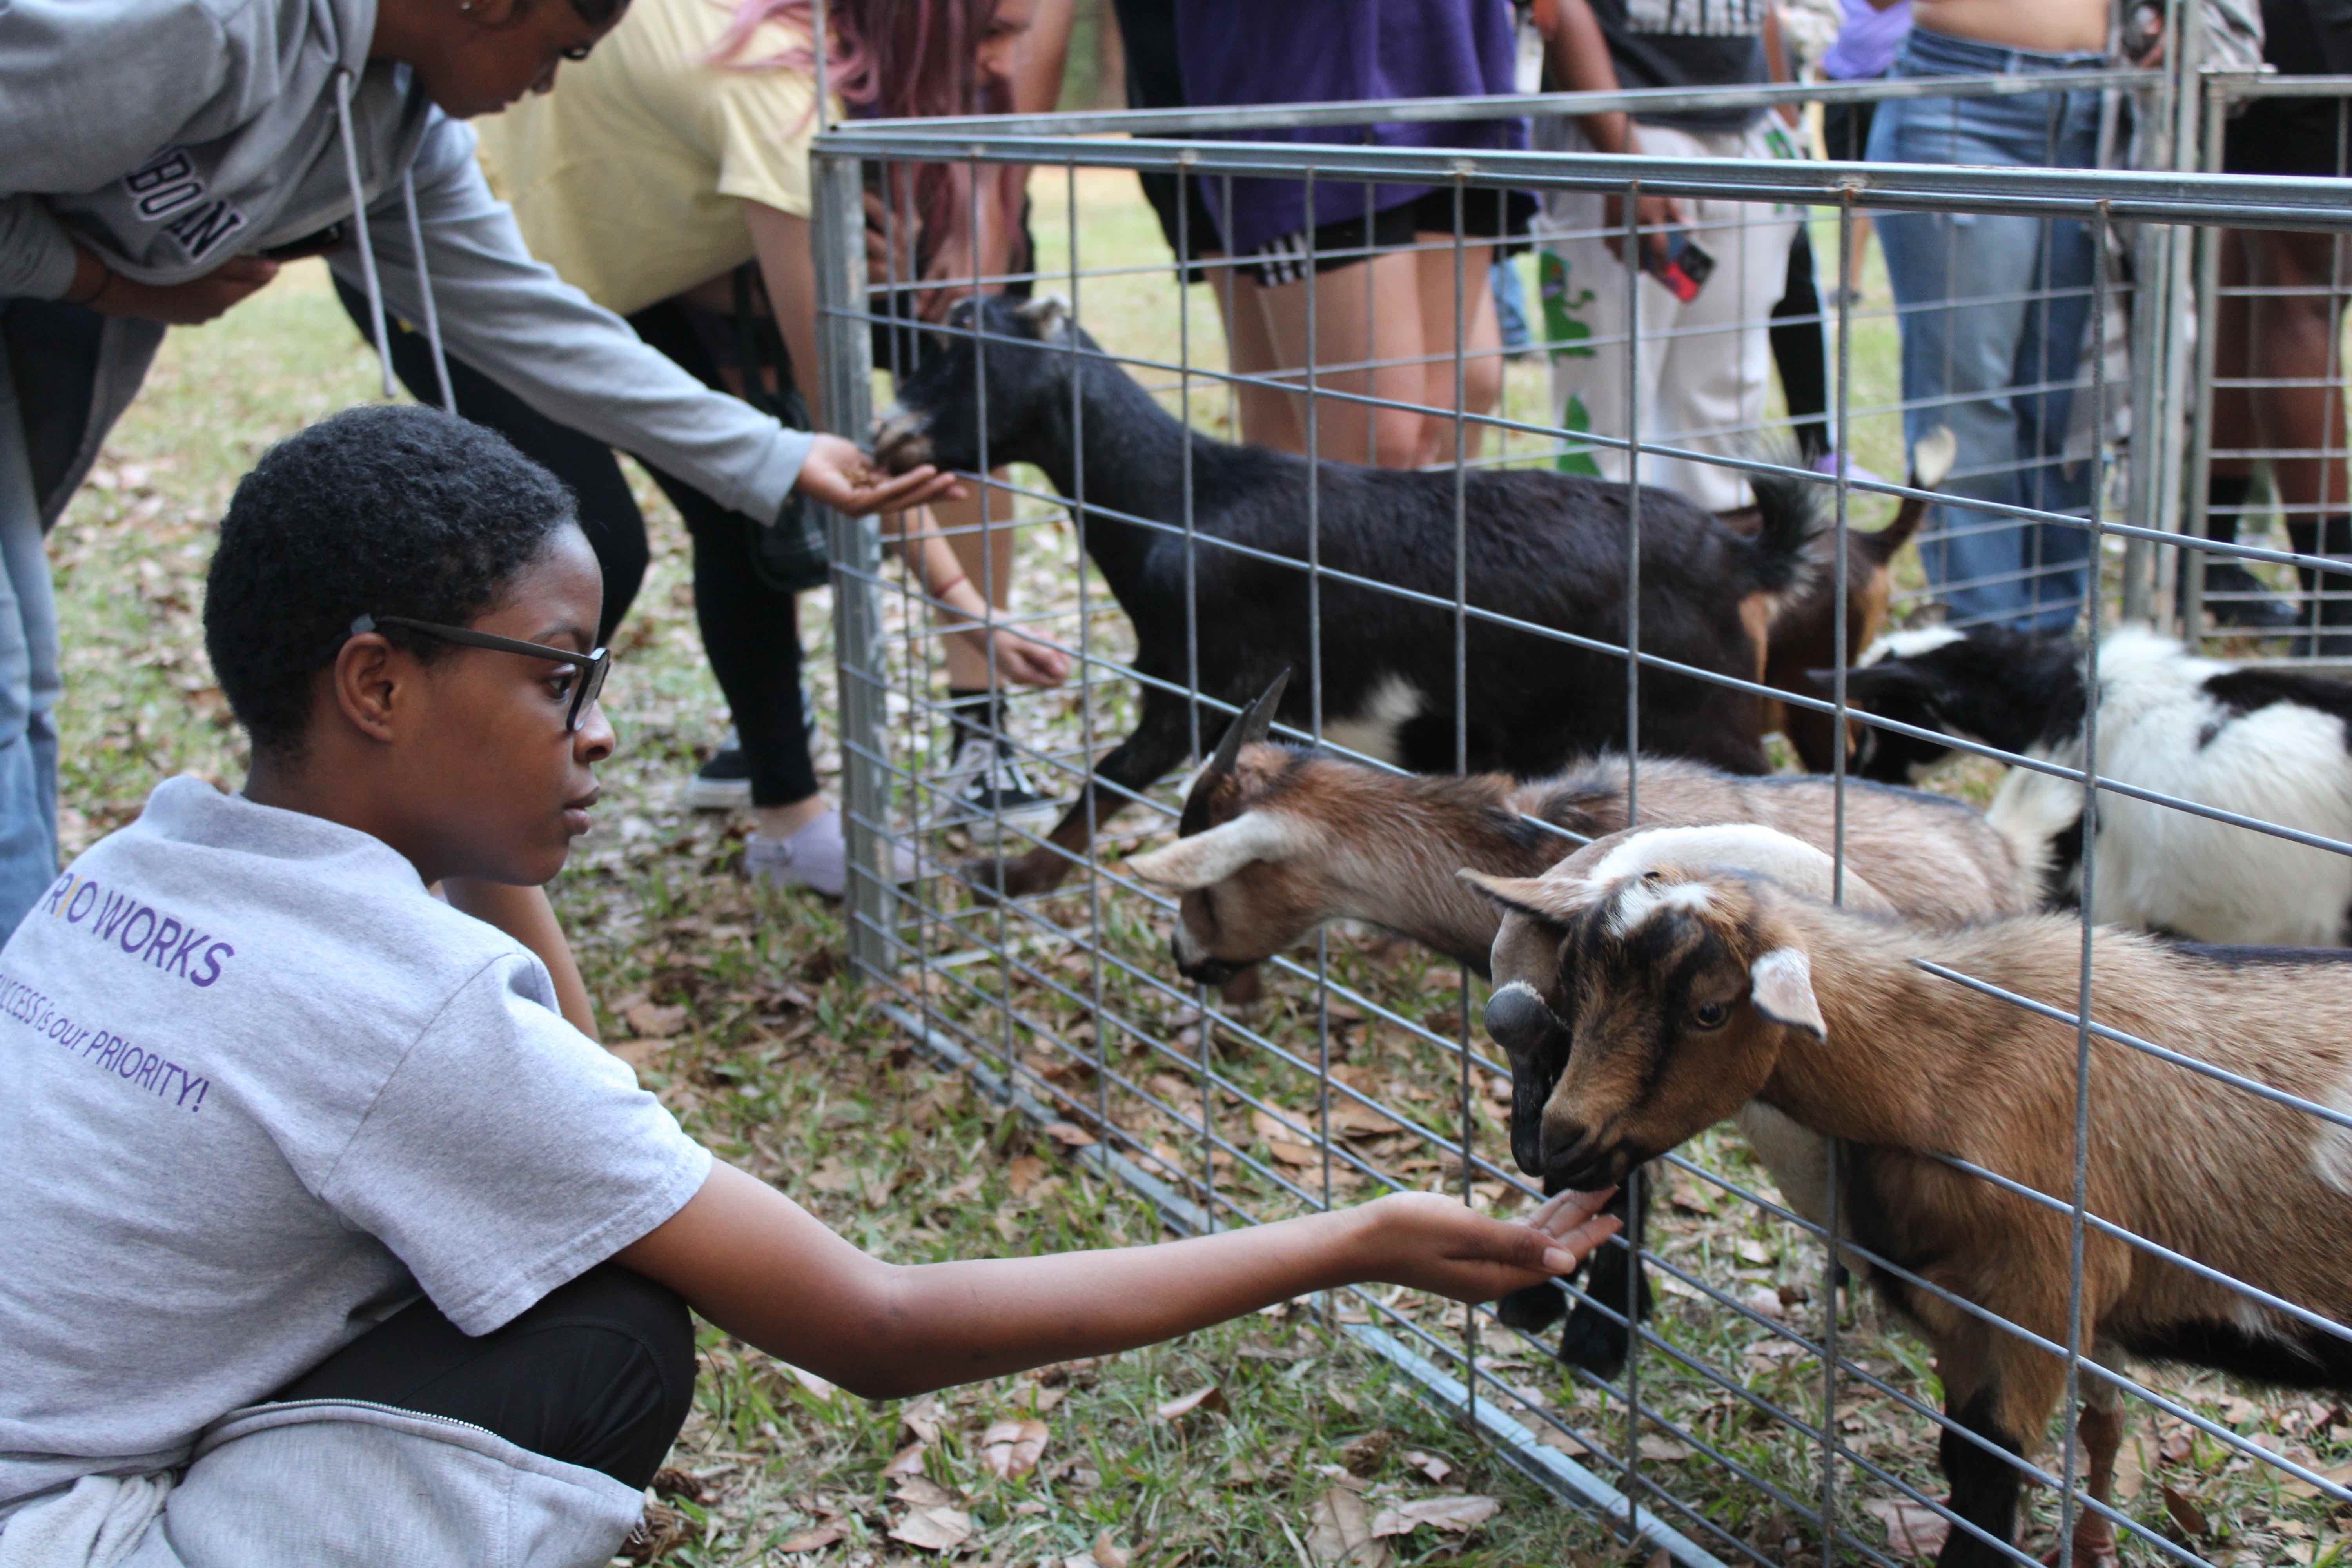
<point x="1393" y="703"/>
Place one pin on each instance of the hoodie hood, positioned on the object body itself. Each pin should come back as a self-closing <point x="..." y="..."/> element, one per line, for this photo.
<point x="224" y="111"/>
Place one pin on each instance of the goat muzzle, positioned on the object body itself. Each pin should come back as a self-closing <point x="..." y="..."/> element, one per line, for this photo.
<point x="1202" y="971"/>
<point x="902" y="440"/>
<point x="1583" y="1162"/>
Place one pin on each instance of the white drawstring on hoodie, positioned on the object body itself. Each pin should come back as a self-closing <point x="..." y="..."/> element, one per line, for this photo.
<point x="381" y="335"/>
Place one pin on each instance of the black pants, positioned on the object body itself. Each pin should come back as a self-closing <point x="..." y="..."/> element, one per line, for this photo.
<point x="600" y="1374"/>
<point x="749" y="631"/>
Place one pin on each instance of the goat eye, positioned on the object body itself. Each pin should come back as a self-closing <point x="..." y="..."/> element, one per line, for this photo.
<point x="1710" y="1014"/>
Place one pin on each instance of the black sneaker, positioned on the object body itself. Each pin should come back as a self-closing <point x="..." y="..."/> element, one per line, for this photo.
<point x="984" y="778"/>
<point x="2234" y="596"/>
<point x="722" y="783"/>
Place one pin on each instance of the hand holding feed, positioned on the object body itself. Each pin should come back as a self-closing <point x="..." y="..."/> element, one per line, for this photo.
<point x="838" y="475"/>
<point x="1428" y="1241"/>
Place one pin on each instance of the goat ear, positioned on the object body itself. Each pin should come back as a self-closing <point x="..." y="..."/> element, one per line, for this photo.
<point x="1932" y="458"/>
<point x="1048" y="316"/>
<point x="1878" y="682"/>
<point x="1547" y="899"/>
<point x="1207" y="859"/>
<point x="1780" y="986"/>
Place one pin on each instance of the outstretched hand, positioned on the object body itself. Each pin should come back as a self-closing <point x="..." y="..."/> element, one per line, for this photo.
<point x="1431" y="1242"/>
<point x="836" y="473"/>
<point x="1019" y="660"/>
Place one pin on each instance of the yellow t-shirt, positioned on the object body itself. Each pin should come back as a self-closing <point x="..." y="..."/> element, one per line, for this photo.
<point x="629" y="178"/>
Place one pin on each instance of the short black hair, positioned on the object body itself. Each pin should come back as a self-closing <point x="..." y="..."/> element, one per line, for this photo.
<point x="382" y="510"/>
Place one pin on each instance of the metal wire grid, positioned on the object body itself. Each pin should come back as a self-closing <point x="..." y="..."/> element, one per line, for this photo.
<point x="2209" y="530"/>
<point x="956" y="968"/>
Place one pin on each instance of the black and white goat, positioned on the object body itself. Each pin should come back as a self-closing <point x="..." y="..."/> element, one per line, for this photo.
<point x="2269" y="745"/>
<point x="1701" y="984"/>
<point x="1542" y="548"/>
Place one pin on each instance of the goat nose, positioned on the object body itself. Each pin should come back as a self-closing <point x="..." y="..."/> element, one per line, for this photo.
<point x="900" y="439"/>
<point x="1517" y="1020"/>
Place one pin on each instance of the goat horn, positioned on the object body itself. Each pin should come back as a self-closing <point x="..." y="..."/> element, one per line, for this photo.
<point x="1253" y="724"/>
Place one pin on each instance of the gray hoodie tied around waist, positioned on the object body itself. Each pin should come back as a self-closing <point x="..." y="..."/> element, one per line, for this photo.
<point x="166" y="136"/>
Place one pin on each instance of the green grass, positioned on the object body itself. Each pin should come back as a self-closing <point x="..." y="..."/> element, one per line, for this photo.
<point x="739" y="1010"/>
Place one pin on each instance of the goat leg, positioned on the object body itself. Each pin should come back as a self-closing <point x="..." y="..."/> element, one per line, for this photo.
<point x="1133" y="765"/>
<point x="2101" y="1427"/>
<point x="1594" y="1340"/>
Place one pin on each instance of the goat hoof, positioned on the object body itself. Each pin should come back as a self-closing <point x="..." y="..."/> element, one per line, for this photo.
<point x="2094" y="1546"/>
<point x="1592" y="1343"/>
<point x="1535" y="1308"/>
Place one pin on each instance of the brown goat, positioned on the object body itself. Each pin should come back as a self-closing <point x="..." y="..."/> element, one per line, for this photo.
<point x="1804" y="638"/>
<point x="1279" y="840"/>
<point x="1696" y="989"/>
<point x="1931" y="863"/>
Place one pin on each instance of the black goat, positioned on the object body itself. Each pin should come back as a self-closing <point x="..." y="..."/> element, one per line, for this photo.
<point x="1542" y="548"/>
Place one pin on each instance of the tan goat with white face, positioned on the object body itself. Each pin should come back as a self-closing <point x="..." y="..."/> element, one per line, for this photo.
<point x="1690" y="989"/>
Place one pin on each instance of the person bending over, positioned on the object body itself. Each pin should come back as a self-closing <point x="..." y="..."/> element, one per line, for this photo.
<point x="323" y="1226"/>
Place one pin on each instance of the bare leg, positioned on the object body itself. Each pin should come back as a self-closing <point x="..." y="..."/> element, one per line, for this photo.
<point x="1482" y="365"/>
<point x="1268" y="418"/>
<point x="1367" y="311"/>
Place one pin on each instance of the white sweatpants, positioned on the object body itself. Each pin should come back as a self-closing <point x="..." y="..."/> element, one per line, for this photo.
<point x="1700" y="370"/>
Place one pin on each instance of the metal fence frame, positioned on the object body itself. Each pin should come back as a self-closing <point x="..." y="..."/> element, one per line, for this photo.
<point x="2167" y="202"/>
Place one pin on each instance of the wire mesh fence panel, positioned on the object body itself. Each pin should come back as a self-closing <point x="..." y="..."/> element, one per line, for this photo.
<point x="1526" y="606"/>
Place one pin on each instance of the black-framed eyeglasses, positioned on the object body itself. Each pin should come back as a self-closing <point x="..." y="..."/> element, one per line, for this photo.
<point x="594" y="665"/>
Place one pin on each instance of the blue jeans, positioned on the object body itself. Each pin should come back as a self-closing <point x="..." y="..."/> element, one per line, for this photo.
<point x="1993" y="310"/>
<point x="29" y="675"/>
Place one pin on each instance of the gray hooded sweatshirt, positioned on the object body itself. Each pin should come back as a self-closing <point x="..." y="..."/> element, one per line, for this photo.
<point x="168" y="135"/>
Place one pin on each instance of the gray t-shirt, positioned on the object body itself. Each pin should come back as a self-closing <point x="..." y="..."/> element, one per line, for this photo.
<point x="258" y="1090"/>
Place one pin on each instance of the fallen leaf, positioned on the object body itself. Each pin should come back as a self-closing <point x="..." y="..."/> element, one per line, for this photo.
<point x="818" y="1387"/>
<point x="2130" y="1472"/>
<point x="1011" y="1448"/>
<point x="1363" y="1458"/>
<point x="921" y="1491"/>
<point x="1340" y="1532"/>
<point x="1460" y="1515"/>
<point x="1069" y="1134"/>
<point x="1912" y="1527"/>
<point x="909" y="1460"/>
<point x="2238" y="1411"/>
<point x="1106" y="1552"/>
<point x="934" y="1528"/>
<point x="1293" y="1154"/>
<point x="1358" y="1120"/>
<point x="1566" y="1443"/>
<point x="658" y="1022"/>
<point x="639" y="1054"/>
<point x="833" y="1176"/>
<point x="1209" y="1398"/>
<point x="1764" y="1301"/>
<point x="1025" y="1173"/>
<point x="1753" y="1251"/>
<point x="2185" y="1513"/>
<point x="815" y="1540"/>
<point x="962" y="1190"/>
<point x="1429" y="1465"/>
<point x="1663" y="1450"/>
<point x="2177" y="1445"/>
<point x="922" y="1419"/>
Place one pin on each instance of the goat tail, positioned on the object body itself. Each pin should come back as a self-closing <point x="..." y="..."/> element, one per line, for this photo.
<point x="1931" y="460"/>
<point x="1792" y="552"/>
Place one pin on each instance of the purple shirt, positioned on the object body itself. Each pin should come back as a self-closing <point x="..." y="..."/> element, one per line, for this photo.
<point x="1866" y="44"/>
<point x="1315" y="51"/>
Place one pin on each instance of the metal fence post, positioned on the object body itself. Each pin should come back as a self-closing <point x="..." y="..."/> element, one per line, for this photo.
<point x="845" y="355"/>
